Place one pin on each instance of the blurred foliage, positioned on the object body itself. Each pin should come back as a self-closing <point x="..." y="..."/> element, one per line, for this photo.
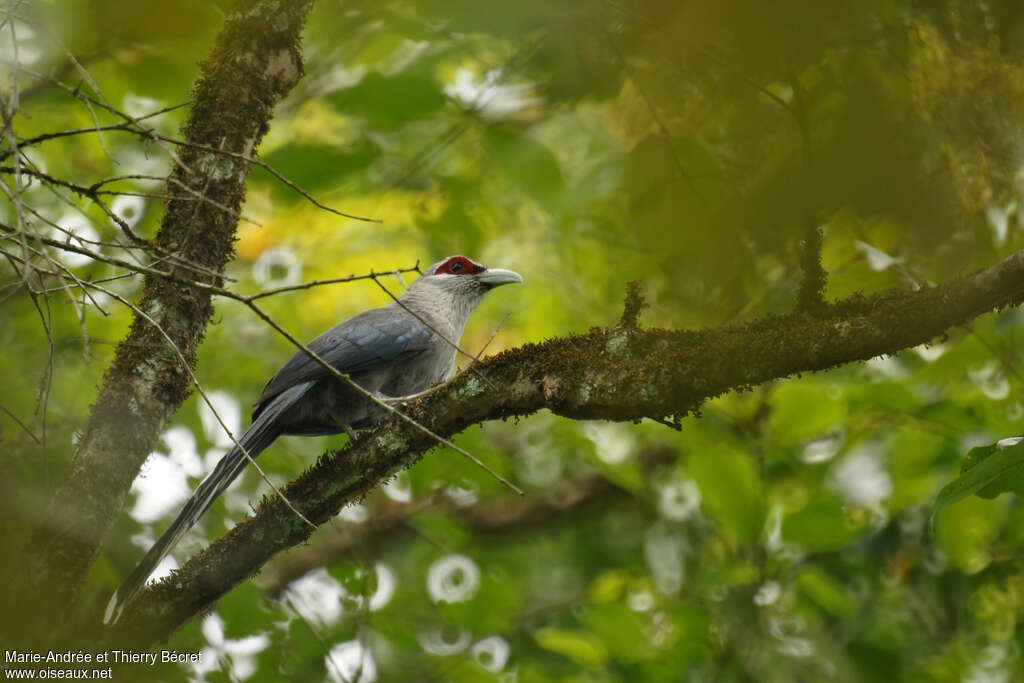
<point x="786" y="534"/>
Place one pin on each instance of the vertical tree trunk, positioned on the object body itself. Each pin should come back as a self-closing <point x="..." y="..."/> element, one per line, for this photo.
<point x="256" y="60"/>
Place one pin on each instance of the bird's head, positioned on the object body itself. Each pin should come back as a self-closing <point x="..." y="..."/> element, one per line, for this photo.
<point x="454" y="286"/>
<point x="460" y="274"/>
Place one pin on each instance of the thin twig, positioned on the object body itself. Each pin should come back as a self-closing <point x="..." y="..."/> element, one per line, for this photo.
<point x="204" y="286"/>
<point x="21" y="424"/>
<point x="124" y="125"/>
<point x="494" y="333"/>
<point x="139" y="312"/>
<point x="334" y="371"/>
<point x="316" y="283"/>
<point x="374" y="399"/>
<point x="45" y="382"/>
<point x="434" y="330"/>
<point x="206" y="399"/>
<point x="665" y="132"/>
<point x="269" y="169"/>
<point x="77" y="94"/>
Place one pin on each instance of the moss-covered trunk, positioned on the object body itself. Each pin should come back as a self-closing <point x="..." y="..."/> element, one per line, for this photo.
<point x="256" y="60"/>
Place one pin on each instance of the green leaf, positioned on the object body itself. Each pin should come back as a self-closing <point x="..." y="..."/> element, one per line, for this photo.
<point x="608" y="586"/>
<point x="730" y="489"/>
<point x="825" y="591"/>
<point x="390" y="101"/>
<point x="580" y="646"/>
<point x="619" y="627"/>
<point x="965" y="531"/>
<point x="987" y="471"/>
<point x="315" y="166"/>
<point x="820" y="527"/>
<point x="530" y="165"/>
<point x="801" y="412"/>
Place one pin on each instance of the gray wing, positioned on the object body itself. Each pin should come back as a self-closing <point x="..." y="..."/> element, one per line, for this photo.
<point x="365" y="342"/>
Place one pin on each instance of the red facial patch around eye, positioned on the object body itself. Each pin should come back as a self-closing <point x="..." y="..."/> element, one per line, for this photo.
<point x="459" y="265"/>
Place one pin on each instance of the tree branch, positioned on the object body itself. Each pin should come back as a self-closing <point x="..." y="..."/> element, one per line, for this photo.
<point x="254" y="63"/>
<point x="616" y="374"/>
<point x="492" y="515"/>
<point x="500" y="515"/>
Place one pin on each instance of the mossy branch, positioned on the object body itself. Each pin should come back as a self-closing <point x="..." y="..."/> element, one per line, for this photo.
<point x="619" y="373"/>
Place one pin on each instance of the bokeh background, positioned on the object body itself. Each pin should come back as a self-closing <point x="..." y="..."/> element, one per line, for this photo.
<point x="785" y="534"/>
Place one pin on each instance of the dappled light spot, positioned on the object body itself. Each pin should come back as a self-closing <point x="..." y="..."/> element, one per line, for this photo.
<point x="164" y="569"/>
<point x="822" y="450"/>
<point x="238" y="657"/>
<point x="679" y="500"/>
<point x="877" y="259"/>
<point x="613" y="442"/>
<point x="317" y="597"/>
<point x="886" y="366"/>
<point x="444" y="641"/>
<point x="164" y="485"/>
<point x="488" y="95"/>
<point x="355" y="513"/>
<point x="796" y="647"/>
<point x="351" y="662"/>
<point x="772" y="533"/>
<point x="129" y="208"/>
<point x="491" y="653"/>
<point x="387" y="582"/>
<point x="860" y="477"/>
<point x="767" y="594"/>
<point x="454" y="578"/>
<point x="462" y="494"/>
<point x="230" y="411"/>
<point x="539" y="466"/>
<point x="996" y="387"/>
<point x="27" y="49"/>
<point x="399" y="489"/>
<point x="665" y="552"/>
<point x="788" y="630"/>
<point x="930" y="352"/>
<point x="138" y="106"/>
<point x="640" y="601"/>
<point x="277" y="267"/>
<point x="998" y="218"/>
<point x="77" y="232"/>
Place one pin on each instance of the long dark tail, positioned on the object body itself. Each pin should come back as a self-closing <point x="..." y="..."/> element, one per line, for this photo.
<point x="260" y="434"/>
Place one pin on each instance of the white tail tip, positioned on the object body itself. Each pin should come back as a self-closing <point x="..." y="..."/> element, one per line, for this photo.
<point x="113" y="612"/>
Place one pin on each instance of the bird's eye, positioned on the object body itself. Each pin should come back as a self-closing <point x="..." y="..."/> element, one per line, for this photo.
<point x="456" y="267"/>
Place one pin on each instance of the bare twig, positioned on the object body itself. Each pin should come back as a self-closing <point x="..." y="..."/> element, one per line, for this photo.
<point x="21" y="424"/>
<point x="433" y="329"/>
<point x="124" y="125"/>
<point x="370" y="396"/>
<point x="658" y="120"/>
<point x="269" y="169"/>
<point x="250" y="302"/>
<point x="195" y="381"/>
<point x="317" y="283"/>
<point x="76" y="93"/>
<point x="494" y="333"/>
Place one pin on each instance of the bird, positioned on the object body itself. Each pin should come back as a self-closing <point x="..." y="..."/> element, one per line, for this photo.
<point x="393" y="352"/>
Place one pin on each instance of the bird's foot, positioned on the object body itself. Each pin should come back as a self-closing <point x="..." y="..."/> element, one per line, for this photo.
<point x="346" y="426"/>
